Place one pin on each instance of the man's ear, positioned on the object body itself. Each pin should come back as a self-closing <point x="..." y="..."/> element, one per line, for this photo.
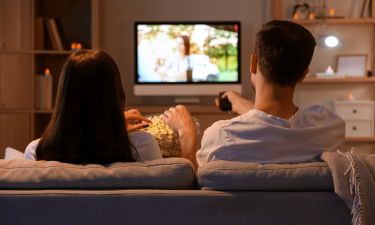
<point x="253" y="63"/>
<point x="307" y="70"/>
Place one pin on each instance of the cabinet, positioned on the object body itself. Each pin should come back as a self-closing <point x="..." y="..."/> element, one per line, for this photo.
<point x="356" y="36"/>
<point x="21" y="60"/>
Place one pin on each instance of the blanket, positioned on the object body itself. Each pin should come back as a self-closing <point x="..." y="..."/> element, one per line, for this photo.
<point x="354" y="181"/>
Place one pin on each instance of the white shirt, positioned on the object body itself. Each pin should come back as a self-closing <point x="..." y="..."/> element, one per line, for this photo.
<point x="262" y="138"/>
<point x="146" y="147"/>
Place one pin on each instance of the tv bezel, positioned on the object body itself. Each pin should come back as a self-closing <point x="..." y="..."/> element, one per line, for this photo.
<point x="136" y="23"/>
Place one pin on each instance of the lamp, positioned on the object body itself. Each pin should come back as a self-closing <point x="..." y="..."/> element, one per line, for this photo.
<point x="331" y="41"/>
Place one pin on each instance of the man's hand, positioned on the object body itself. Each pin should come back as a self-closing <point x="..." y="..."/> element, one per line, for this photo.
<point x="240" y="105"/>
<point x="180" y="120"/>
<point x="134" y="120"/>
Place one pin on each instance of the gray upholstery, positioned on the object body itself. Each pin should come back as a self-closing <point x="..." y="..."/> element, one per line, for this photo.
<point x="170" y="173"/>
<point x="226" y="175"/>
<point x="168" y="207"/>
<point x="120" y="194"/>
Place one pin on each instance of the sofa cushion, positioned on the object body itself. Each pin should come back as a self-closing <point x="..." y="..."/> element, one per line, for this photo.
<point x="226" y="175"/>
<point x="169" y="173"/>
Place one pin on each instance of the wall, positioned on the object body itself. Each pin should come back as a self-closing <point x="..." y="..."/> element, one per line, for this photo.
<point x="116" y="28"/>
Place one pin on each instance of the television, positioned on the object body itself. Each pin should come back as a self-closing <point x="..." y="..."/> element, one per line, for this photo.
<point x="187" y="58"/>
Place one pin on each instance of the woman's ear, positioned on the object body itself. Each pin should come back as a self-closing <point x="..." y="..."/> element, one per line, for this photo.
<point x="253" y="63"/>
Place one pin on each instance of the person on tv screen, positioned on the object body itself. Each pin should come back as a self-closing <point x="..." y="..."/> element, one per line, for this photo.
<point x="183" y="66"/>
<point x="272" y="129"/>
<point x="88" y="124"/>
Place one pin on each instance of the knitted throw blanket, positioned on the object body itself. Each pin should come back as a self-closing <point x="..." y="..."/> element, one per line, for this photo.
<point x="354" y="181"/>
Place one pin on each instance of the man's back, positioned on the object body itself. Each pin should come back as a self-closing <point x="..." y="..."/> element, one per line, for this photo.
<point x="259" y="137"/>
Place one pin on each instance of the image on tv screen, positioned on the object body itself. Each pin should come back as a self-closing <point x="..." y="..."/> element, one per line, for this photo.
<point x="187" y="52"/>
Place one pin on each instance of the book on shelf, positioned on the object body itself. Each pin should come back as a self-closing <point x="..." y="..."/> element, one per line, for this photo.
<point x="54" y="33"/>
<point x="44" y="90"/>
<point x="361" y="9"/>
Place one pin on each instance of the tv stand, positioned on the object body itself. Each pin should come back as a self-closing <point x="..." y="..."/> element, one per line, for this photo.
<point x="187" y="100"/>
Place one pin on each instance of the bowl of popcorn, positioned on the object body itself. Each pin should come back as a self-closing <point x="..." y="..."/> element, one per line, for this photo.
<point x="167" y="139"/>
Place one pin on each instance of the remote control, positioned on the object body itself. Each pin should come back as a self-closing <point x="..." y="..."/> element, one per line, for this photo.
<point x="224" y="103"/>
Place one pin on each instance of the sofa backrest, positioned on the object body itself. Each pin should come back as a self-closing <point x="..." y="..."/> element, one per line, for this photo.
<point x="168" y="173"/>
<point x="237" y="176"/>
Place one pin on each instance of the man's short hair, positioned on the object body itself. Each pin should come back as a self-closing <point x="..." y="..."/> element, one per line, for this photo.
<point x="284" y="50"/>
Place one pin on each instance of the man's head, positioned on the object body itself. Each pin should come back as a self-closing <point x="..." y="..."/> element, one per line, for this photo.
<point x="284" y="51"/>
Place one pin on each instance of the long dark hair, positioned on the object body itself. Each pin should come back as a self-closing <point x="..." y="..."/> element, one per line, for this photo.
<point x="88" y="124"/>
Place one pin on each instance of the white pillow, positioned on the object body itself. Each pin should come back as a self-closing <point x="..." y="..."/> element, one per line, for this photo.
<point x="11" y="153"/>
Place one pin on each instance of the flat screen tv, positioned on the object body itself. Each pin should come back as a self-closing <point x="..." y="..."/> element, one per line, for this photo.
<point x="187" y="58"/>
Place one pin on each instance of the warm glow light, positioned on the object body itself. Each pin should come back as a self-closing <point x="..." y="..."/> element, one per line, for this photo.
<point x="332" y="12"/>
<point x="350" y="96"/>
<point x="331" y="41"/>
<point x="47" y="71"/>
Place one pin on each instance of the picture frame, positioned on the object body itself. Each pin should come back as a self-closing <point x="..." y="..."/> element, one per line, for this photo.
<point x="352" y="65"/>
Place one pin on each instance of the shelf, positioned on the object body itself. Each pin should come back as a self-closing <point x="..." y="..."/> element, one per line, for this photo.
<point x="43" y="111"/>
<point x="53" y="52"/>
<point x="360" y="139"/>
<point x="20" y="52"/>
<point x="336" y="21"/>
<point x="15" y="111"/>
<point x="315" y="80"/>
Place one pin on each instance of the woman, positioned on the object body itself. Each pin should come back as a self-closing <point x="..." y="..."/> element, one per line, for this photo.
<point x="88" y="123"/>
<point x="179" y="68"/>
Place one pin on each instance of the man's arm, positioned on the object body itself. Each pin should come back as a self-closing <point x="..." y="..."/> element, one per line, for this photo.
<point x="180" y="120"/>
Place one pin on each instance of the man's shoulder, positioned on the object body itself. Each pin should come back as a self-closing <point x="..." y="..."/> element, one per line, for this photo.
<point x="317" y="115"/>
<point x="320" y="112"/>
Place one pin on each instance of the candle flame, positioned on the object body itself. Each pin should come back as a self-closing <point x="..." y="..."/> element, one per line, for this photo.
<point x="47" y="71"/>
<point x="331" y="12"/>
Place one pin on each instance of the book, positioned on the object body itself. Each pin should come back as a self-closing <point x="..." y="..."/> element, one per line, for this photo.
<point x="39" y="33"/>
<point x="54" y="34"/>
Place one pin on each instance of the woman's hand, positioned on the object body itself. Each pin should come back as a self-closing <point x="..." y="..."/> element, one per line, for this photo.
<point x="134" y="120"/>
<point x="240" y="105"/>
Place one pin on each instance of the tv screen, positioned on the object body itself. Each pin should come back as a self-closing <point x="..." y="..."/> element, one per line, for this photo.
<point x="187" y="52"/>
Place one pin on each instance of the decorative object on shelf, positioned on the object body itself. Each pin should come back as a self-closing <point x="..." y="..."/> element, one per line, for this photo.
<point x="301" y="11"/>
<point x="352" y="65"/>
<point x="329" y="73"/>
<point x="75" y="46"/>
<point x="44" y="90"/>
<point x="358" y="116"/>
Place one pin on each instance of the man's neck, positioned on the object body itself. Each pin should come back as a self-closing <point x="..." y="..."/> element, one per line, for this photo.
<point x="275" y="100"/>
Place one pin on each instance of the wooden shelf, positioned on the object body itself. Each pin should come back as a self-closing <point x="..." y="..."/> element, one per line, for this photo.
<point x="360" y="139"/>
<point x="20" y="52"/>
<point x="316" y="80"/>
<point x="43" y="111"/>
<point x="4" y="110"/>
<point x="336" y="21"/>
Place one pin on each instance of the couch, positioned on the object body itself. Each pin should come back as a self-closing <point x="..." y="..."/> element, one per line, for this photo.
<point x="168" y="191"/>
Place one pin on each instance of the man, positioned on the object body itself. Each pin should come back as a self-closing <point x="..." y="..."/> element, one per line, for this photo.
<point x="272" y="129"/>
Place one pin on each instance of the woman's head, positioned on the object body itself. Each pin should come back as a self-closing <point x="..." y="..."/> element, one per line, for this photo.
<point x="183" y="45"/>
<point x="88" y="124"/>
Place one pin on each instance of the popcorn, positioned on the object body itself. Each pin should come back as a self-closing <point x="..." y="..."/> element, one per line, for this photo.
<point x="167" y="139"/>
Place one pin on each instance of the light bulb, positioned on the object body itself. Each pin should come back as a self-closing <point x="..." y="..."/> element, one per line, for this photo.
<point x="331" y="41"/>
